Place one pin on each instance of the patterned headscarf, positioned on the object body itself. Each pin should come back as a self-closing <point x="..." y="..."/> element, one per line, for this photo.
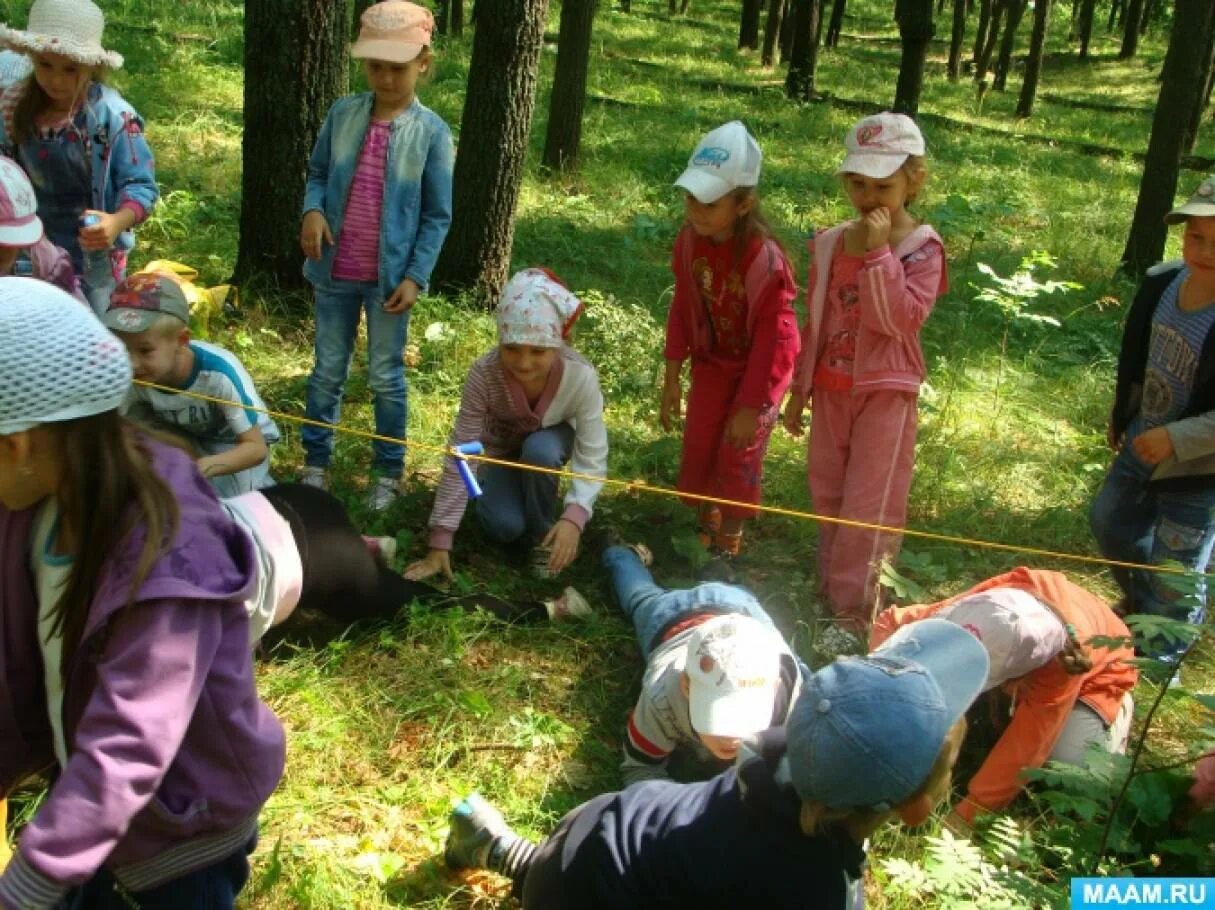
<point x="536" y="309"/>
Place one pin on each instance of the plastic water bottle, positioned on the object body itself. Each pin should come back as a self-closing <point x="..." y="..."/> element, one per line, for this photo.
<point x="98" y="273"/>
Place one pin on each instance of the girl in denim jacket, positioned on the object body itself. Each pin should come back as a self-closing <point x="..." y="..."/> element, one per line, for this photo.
<point x="873" y="283"/>
<point x="376" y="210"/>
<point x="124" y="654"/>
<point x="80" y="142"/>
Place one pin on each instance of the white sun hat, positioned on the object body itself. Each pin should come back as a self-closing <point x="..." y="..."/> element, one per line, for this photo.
<point x="69" y="27"/>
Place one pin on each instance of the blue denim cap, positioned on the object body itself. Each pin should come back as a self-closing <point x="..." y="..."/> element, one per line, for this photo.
<point x="866" y="731"/>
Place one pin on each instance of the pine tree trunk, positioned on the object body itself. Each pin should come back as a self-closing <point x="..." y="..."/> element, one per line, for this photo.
<point x="1150" y="10"/>
<point x="1016" y="10"/>
<point x="1200" y="105"/>
<point x="1033" y="64"/>
<point x="776" y="15"/>
<point x="442" y="16"/>
<point x="626" y="6"/>
<point x="565" y="105"/>
<point x="671" y="7"/>
<point x="497" y="117"/>
<point x="1085" y="26"/>
<point x="786" y="31"/>
<point x="457" y="17"/>
<point x="748" y="26"/>
<point x="983" y="64"/>
<point x="1117" y="8"/>
<point x="837" y="23"/>
<point x="296" y="66"/>
<point x="914" y="19"/>
<point x="955" y="39"/>
<point x="1180" y="86"/>
<point x="1130" y="29"/>
<point x="985" y="10"/>
<point x="803" y="59"/>
<point x="358" y="8"/>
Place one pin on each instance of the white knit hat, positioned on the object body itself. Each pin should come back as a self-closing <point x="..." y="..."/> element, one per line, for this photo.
<point x="57" y="362"/>
<point x="69" y="27"/>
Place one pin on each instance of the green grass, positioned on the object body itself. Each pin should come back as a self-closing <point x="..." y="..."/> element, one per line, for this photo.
<point x="388" y="724"/>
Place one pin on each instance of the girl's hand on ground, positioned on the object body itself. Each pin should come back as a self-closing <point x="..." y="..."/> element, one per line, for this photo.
<point x="403" y="298"/>
<point x="794" y="408"/>
<point x="672" y="397"/>
<point x="1153" y="447"/>
<point x="562" y="540"/>
<point x="740" y="431"/>
<point x="313" y="232"/>
<point x="878" y="226"/>
<point x="434" y="563"/>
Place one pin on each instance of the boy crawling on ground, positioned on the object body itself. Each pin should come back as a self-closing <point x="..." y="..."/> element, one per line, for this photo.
<point x="868" y="738"/>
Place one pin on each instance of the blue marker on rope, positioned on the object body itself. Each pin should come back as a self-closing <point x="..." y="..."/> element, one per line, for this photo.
<point x="466" y="473"/>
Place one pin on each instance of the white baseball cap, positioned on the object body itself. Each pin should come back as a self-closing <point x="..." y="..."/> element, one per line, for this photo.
<point x="1199" y="205"/>
<point x="879" y="145"/>
<point x="1019" y="633"/>
<point x="733" y="668"/>
<point x="19" y="222"/>
<point x="725" y="159"/>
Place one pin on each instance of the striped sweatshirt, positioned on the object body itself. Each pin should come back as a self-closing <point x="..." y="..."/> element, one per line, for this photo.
<point x="494" y="410"/>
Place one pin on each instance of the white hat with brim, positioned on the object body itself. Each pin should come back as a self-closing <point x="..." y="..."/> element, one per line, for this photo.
<point x="21" y="233"/>
<point x="71" y="28"/>
<point x="733" y="670"/>
<point x="390" y="51"/>
<point x="705" y="186"/>
<point x="877" y="165"/>
<point x="1200" y="205"/>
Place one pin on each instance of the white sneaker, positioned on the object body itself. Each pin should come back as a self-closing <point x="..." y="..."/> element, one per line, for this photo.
<point x="313" y="476"/>
<point x="382" y="494"/>
<point x="385" y="546"/>
<point x="570" y="605"/>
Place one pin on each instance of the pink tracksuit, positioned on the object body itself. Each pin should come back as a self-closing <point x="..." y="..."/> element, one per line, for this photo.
<point x="733" y="315"/>
<point x="862" y="366"/>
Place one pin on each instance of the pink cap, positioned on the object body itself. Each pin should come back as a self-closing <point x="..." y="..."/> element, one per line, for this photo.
<point x="393" y="30"/>
<point x="19" y="222"/>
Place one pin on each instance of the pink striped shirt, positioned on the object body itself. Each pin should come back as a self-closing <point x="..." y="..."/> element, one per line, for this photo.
<point x="358" y="247"/>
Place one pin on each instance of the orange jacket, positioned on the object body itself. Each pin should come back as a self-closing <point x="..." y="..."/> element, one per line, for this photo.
<point x="1042" y="699"/>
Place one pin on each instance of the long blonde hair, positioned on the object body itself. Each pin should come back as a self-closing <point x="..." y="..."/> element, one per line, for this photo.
<point x="108" y="493"/>
<point x="34" y="100"/>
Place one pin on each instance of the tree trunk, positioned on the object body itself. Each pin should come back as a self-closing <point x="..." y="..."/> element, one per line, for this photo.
<point x="1130" y="29"/>
<point x="671" y="4"/>
<point x="358" y="8"/>
<point x="497" y="117"/>
<point x="837" y="23"/>
<point x="1117" y="8"/>
<point x="683" y="5"/>
<point x="1200" y="104"/>
<point x="1180" y="84"/>
<point x="1085" y="26"/>
<point x="748" y="26"/>
<point x="776" y="15"/>
<point x="1016" y="10"/>
<point x="569" y="85"/>
<point x="442" y="16"/>
<point x="989" y="43"/>
<point x="786" y="31"/>
<point x="296" y="66"/>
<point x="803" y="59"/>
<point x="457" y="17"/>
<point x="955" y="39"/>
<point x="914" y="19"/>
<point x="985" y="10"/>
<point x="1150" y="10"/>
<point x="1033" y="64"/>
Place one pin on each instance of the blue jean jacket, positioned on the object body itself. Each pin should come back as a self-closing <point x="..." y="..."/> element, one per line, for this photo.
<point x="120" y="162"/>
<point x="417" y="187"/>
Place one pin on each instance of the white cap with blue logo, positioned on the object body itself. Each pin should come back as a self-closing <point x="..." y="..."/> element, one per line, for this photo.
<point x="724" y="160"/>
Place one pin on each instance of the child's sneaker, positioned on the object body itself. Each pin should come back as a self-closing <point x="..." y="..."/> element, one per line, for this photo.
<point x="727" y="545"/>
<point x="383" y="493"/>
<point x="570" y="605"/>
<point x="708" y="523"/>
<point x="475" y="825"/>
<point x="313" y="476"/>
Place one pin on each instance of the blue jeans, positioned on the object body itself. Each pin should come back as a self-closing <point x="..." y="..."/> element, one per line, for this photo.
<point x="212" y="888"/>
<point x="653" y="608"/>
<point x="521" y="505"/>
<point x="339" y="306"/>
<point x="1135" y="523"/>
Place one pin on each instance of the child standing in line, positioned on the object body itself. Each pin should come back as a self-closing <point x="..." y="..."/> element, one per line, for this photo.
<point x="24" y="249"/>
<point x="732" y="314"/>
<point x="376" y="210"/>
<point x="535" y="400"/>
<point x="149" y="312"/>
<point x="124" y="653"/>
<point x="872" y="284"/>
<point x="1158" y="501"/>
<point x="80" y="142"/>
<point x="869" y="738"/>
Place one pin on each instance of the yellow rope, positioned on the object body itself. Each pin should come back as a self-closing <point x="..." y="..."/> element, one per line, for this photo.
<point x="642" y="486"/>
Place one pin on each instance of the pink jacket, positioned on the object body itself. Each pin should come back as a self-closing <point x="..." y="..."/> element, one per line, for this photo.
<point x="771" y="322"/>
<point x="897" y="291"/>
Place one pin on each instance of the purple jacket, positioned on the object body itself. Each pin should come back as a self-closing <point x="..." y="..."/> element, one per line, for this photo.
<point x="170" y="752"/>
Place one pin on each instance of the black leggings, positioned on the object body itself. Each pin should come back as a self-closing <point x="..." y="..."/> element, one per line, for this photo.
<point x="345" y="580"/>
